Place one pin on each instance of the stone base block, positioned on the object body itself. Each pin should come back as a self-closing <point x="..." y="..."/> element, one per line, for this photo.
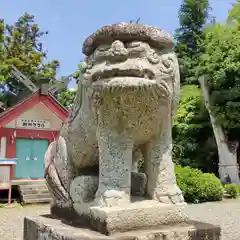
<point x="45" y="227"/>
<point x="137" y="215"/>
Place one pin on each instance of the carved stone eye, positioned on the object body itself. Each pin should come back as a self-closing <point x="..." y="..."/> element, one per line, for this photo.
<point x="117" y="45"/>
<point x="118" y="48"/>
<point x="133" y="44"/>
<point x="103" y="47"/>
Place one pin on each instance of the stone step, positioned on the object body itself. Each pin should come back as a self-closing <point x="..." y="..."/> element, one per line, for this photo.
<point x="36" y="196"/>
<point x="31" y="182"/>
<point x="34" y="200"/>
<point x="36" y="192"/>
<point x="33" y="187"/>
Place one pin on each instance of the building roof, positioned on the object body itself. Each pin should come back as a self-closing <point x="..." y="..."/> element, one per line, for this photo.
<point x="29" y="102"/>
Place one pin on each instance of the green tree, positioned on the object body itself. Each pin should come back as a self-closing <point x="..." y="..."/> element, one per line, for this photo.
<point x="194" y="144"/>
<point x="234" y="14"/>
<point x="221" y="64"/>
<point x="22" y="47"/>
<point x="192" y="127"/>
<point x="193" y="15"/>
<point x="66" y="98"/>
<point x="1" y="38"/>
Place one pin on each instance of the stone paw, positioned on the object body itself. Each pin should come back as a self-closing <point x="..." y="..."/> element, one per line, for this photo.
<point x="111" y="198"/>
<point x="170" y="195"/>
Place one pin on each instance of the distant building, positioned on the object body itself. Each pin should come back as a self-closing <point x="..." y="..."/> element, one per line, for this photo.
<point x="27" y="129"/>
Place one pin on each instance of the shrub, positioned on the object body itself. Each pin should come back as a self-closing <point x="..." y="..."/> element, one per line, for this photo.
<point x="198" y="186"/>
<point x="232" y="190"/>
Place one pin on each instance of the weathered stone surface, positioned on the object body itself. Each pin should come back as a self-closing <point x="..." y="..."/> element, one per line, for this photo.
<point x="41" y="228"/>
<point x="138" y="215"/>
<point x="83" y="188"/>
<point x="125" y="102"/>
<point x="59" y="173"/>
<point x="128" y="32"/>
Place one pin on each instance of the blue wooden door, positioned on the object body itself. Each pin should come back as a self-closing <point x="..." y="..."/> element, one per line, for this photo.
<point x="30" y="158"/>
<point x="23" y="152"/>
<point x="39" y="148"/>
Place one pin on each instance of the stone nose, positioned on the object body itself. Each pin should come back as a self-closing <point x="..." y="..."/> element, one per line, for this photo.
<point x="118" y="49"/>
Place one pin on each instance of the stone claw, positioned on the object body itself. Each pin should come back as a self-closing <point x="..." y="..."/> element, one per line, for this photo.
<point x="111" y="198"/>
<point x="172" y="196"/>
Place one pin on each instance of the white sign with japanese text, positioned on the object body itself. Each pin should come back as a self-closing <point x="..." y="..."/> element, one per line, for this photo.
<point x="33" y="123"/>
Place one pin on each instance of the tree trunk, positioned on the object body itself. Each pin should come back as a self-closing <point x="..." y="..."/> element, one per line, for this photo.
<point x="228" y="166"/>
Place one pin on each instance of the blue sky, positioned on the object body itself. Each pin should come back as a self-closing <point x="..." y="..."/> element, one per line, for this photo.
<point x="70" y="22"/>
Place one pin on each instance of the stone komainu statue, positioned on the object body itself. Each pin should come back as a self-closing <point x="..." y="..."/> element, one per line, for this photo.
<point x="125" y="102"/>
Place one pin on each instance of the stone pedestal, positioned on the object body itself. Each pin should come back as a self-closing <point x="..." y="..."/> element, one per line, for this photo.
<point x="146" y="219"/>
<point x="137" y="215"/>
<point x="47" y="228"/>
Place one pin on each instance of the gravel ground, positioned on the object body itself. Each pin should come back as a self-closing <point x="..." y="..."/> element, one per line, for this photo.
<point x="226" y="214"/>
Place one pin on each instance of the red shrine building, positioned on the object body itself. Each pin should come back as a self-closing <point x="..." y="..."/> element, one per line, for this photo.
<point x="26" y="130"/>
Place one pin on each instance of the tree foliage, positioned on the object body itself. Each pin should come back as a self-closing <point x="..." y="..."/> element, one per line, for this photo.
<point x="1" y="38"/>
<point x="221" y="64"/>
<point x="193" y="15"/>
<point x="234" y="14"/>
<point x="21" y="46"/>
<point x="66" y="98"/>
<point x="194" y="144"/>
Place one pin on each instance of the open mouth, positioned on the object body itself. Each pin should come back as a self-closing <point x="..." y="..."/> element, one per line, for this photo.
<point x="137" y="73"/>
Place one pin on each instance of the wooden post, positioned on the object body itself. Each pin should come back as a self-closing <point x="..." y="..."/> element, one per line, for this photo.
<point x="10" y="191"/>
<point x="7" y="176"/>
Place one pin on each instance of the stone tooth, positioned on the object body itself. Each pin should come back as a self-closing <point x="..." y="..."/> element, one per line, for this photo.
<point x="152" y="93"/>
<point x="121" y="88"/>
<point x="107" y="89"/>
<point x="139" y="88"/>
<point x="111" y="89"/>
<point x="146" y="88"/>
